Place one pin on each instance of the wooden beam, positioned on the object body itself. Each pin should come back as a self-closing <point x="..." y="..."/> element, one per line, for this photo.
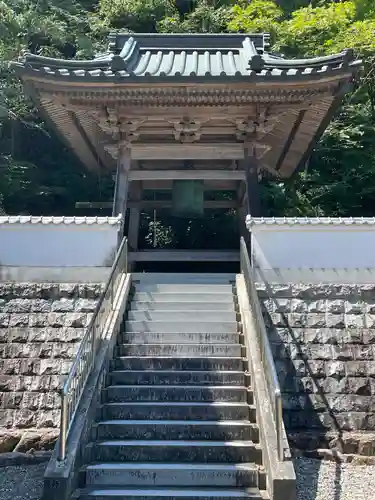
<point x="178" y="151"/>
<point x="149" y="204"/>
<point x="185" y="256"/>
<point x="290" y="138"/>
<point x="157" y="175"/>
<point x="208" y="185"/>
<point x="94" y="204"/>
<point x="344" y="87"/>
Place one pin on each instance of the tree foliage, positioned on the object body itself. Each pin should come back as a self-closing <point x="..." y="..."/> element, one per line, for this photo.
<point x="312" y="31"/>
<point x="136" y="15"/>
<point x="38" y="175"/>
<point x="255" y="17"/>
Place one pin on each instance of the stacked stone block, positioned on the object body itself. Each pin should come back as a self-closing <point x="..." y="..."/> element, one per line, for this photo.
<point x="323" y="341"/>
<point x="41" y="326"/>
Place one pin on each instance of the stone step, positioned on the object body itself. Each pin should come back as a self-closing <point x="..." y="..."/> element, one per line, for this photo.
<point x="179" y="411"/>
<point x="181" y="326"/>
<point x="176" y="451"/>
<point x="185" y="287"/>
<point x="183" y="278"/>
<point x="180" y="296"/>
<point x="172" y="377"/>
<point x="179" y="338"/>
<point x="177" y="316"/>
<point x="179" y="350"/>
<point x="176" y="393"/>
<point x="163" y="305"/>
<point x="171" y="494"/>
<point x="174" y="430"/>
<point x="177" y="363"/>
<point x="198" y="475"/>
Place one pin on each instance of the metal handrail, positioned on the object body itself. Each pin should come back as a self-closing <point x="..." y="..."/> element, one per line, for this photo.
<point x="72" y="390"/>
<point x="272" y="380"/>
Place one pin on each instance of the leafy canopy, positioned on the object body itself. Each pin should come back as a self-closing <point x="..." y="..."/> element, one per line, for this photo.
<point x="38" y="175"/>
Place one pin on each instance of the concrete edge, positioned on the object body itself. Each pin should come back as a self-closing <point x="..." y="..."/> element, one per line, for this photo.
<point x="61" y="479"/>
<point x="281" y="478"/>
<point x="28" y="274"/>
<point x="349" y="276"/>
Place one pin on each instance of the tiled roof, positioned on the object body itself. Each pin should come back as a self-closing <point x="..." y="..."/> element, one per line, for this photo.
<point x="28" y="219"/>
<point x="308" y="221"/>
<point x="151" y="56"/>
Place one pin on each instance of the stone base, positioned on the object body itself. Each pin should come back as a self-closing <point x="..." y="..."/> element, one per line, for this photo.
<point x="14" y="458"/>
<point x="27" y="441"/>
<point x="332" y="456"/>
<point x="330" y="444"/>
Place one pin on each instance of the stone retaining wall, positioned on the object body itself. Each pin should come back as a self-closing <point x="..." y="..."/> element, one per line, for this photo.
<point x="41" y="326"/>
<point x="323" y="341"/>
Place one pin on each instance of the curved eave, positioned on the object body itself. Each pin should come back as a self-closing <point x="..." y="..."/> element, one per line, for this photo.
<point x="345" y="57"/>
<point x="268" y="76"/>
<point x="85" y="153"/>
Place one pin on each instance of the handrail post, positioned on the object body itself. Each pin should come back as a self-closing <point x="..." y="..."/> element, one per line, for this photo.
<point x="278" y="423"/>
<point x="63" y="426"/>
<point x="126" y="256"/>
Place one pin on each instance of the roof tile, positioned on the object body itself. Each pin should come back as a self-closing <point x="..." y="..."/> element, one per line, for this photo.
<point x="189" y="55"/>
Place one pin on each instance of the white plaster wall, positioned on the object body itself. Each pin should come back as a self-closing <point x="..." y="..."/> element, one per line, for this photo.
<point x="313" y="246"/>
<point x="57" y="245"/>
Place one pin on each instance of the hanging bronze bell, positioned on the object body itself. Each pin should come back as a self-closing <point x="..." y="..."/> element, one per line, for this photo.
<point x="188" y="198"/>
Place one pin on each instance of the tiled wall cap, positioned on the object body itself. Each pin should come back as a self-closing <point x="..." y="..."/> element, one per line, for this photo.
<point x="305" y="221"/>
<point x="28" y="219"/>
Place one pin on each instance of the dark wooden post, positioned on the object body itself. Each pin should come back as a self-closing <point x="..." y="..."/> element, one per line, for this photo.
<point x="122" y="185"/>
<point x="135" y="214"/>
<point x="251" y="204"/>
<point x="251" y="167"/>
<point x="242" y="208"/>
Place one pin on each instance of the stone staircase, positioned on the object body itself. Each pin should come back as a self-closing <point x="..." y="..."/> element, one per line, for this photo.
<point x="177" y="417"/>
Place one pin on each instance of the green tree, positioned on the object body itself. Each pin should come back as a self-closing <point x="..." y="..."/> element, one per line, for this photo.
<point x="311" y="31"/>
<point x="37" y="173"/>
<point x="136" y="15"/>
<point x="208" y="16"/>
<point x="257" y="16"/>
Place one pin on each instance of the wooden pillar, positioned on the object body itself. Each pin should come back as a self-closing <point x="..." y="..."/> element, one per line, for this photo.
<point x="252" y="183"/>
<point x="121" y="187"/>
<point x="242" y="209"/>
<point x="251" y="204"/>
<point x="250" y="166"/>
<point x="135" y="214"/>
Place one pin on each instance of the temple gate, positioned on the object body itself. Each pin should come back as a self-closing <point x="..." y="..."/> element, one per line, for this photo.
<point x="189" y="111"/>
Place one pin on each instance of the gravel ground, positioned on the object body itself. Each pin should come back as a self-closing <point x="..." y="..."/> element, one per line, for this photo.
<point x="22" y="482"/>
<point x="320" y="480"/>
<point x="317" y="480"/>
